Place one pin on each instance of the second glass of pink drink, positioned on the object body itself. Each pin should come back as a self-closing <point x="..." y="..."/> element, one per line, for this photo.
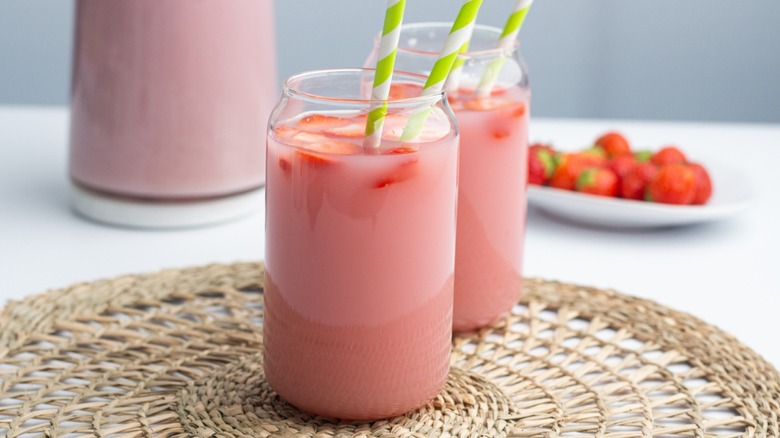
<point x="360" y="251"/>
<point x="493" y="160"/>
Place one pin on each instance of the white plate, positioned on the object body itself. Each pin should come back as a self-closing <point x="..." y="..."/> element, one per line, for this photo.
<point x="732" y="194"/>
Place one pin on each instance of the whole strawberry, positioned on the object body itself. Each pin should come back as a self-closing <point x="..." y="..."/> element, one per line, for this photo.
<point x="668" y="155"/>
<point x="634" y="184"/>
<point x="598" y="181"/>
<point x="538" y="147"/>
<point x="643" y="156"/>
<point x="703" y="184"/>
<point x="614" y="144"/>
<point x="596" y="154"/>
<point x="571" y="165"/>
<point x="673" y="184"/>
<point x="622" y="165"/>
<point x="541" y="163"/>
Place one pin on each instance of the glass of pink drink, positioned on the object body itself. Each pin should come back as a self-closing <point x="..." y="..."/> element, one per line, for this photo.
<point x="170" y="100"/>
<point x="493" y="160"/>
<point x="360" y="248"/>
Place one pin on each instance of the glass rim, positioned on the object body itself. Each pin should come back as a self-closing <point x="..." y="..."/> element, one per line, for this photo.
<point x="289" y="89"/>
<point x="471" y="54"/>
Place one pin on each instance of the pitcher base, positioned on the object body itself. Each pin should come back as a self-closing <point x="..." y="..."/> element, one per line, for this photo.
<point x="139" y="213"/>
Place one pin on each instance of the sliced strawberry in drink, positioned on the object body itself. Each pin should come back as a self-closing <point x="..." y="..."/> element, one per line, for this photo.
<point x="306" y="139"/>
<point x="353" y="127"/>
<point x="335" y="148"/>
<point x="402" y="172"/>
<point x="497" y="91"/>
<point x="483" y="104"/>
<point x="503" y="123"/>
<point x="284" y="164"/>
<point x="404" y="91"/>
<point x="292" y="135"/>
<point x="476" y="104"/>
<point x="285" y="132"/>
<point x="320" y="152"/>
<point x="352" y="130"/>
<point x="394" y="126"/>
<point x="436" y="127"/>
<point x="321" y="122"/>
<point x="384" y="182"/>
<point x="400" y="151"/>
<point x="313" y="159"/>
<point x="501" y="133"/>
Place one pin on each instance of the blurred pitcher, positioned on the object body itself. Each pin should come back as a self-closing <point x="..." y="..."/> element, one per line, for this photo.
<point x="170" y="101"/>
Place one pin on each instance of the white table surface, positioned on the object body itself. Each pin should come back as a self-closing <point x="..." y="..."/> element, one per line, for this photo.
<point x="726" y="273"/>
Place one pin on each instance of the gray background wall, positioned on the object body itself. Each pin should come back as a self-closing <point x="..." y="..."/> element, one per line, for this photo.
<point x="660" y="59"/>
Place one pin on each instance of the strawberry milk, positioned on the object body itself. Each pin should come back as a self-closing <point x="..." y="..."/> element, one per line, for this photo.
<point x="491" y="205"/>
<point x="493" y="167"/>
<point x="360" y="253"/>
<point x="170" y="99"/>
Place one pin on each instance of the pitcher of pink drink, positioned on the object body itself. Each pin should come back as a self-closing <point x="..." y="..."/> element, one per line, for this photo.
<point x="493" y="166"/>
<point x="169" y="105"/>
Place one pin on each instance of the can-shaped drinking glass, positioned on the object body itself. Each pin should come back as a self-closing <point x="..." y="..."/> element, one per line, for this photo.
<point x="360" y="247"/>
<point x="490" y="95"/>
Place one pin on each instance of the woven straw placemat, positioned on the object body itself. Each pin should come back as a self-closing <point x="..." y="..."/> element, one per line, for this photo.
<point x="178" y="354"/>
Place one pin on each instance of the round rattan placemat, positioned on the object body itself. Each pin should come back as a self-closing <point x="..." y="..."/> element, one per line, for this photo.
<point x="177" y="354"/>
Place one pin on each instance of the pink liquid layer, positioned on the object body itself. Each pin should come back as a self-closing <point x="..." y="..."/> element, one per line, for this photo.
<point x="491" y="206"/>
<point x="171" y="98"/>
<point x="360" y="269"/>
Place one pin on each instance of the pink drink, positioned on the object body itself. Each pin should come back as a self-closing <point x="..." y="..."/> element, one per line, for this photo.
<point x="170" y="98"/>
<point x="359" y="265"/>
<point x="494" y="140"/>
<point x="491" y="205"/>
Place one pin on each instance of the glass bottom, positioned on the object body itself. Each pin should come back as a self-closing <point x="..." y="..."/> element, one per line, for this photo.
<point x="140" y="213"/>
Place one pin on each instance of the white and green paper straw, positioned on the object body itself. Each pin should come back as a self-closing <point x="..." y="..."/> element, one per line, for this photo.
<point x="388" y="48"/>
<point x="505" y="44"/>
<point x="453" y="80"/>
<point x="460" y="34"/>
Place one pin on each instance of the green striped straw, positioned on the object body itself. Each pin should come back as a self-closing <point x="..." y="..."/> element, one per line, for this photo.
<point x="453" y="80"/>
<point x="506" y="43"/>
<point x="460" y="34"/>
<point x="388" y="48"/>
